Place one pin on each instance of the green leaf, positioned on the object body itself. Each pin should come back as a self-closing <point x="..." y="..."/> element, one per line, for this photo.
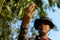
<point x="1" y="2"/>
<point x="21" y="13"/>
<point x="41" y="13"/>
<point x="51" y="2"/>
<point x="9" y="10"/>
<point x="58" y="3"/>
<point x="39" y="3"/>
<point x="12" y="2"/>
<point x="9" y="17"/>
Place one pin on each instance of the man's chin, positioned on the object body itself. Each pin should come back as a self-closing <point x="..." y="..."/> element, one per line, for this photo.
<point x="43" y="32"/>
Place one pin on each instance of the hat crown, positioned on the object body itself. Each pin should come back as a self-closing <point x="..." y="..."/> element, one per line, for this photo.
<point x="45" y="18"/>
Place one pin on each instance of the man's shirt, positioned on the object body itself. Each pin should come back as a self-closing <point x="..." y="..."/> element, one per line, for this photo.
<point x="38" y="38"/>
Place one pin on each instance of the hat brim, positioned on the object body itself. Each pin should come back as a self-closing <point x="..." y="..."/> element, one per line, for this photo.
<point x="40" y="21"/>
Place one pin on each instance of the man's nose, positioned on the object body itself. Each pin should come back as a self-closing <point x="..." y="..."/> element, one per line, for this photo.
<point x="43" y="26"/>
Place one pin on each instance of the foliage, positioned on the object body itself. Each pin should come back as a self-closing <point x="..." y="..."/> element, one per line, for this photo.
<point x="10" y="9"/>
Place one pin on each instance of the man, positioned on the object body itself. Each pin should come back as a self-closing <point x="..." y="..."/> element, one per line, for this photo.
<point x="43" y="25"/>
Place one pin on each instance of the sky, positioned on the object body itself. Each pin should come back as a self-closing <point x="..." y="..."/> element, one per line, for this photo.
<point x="55" y="16"/>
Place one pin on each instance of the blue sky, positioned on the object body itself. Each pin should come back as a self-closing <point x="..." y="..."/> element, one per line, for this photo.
<point x="54" y="35"/>
<point x="55" y="16"/>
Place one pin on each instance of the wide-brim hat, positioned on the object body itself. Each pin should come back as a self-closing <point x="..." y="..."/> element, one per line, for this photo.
<point x="45" y="20"/>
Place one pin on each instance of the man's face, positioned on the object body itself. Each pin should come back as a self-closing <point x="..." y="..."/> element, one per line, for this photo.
<point x="44" y="28"/>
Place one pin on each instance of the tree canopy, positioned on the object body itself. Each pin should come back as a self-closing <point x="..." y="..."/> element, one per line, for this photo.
<point x="10" y="9"/>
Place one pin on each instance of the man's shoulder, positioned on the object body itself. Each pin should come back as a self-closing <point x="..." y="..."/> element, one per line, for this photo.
<point x="38" y="38"/>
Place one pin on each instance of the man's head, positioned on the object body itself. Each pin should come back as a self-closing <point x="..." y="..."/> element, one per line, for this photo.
<point x="43" y="24"/>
